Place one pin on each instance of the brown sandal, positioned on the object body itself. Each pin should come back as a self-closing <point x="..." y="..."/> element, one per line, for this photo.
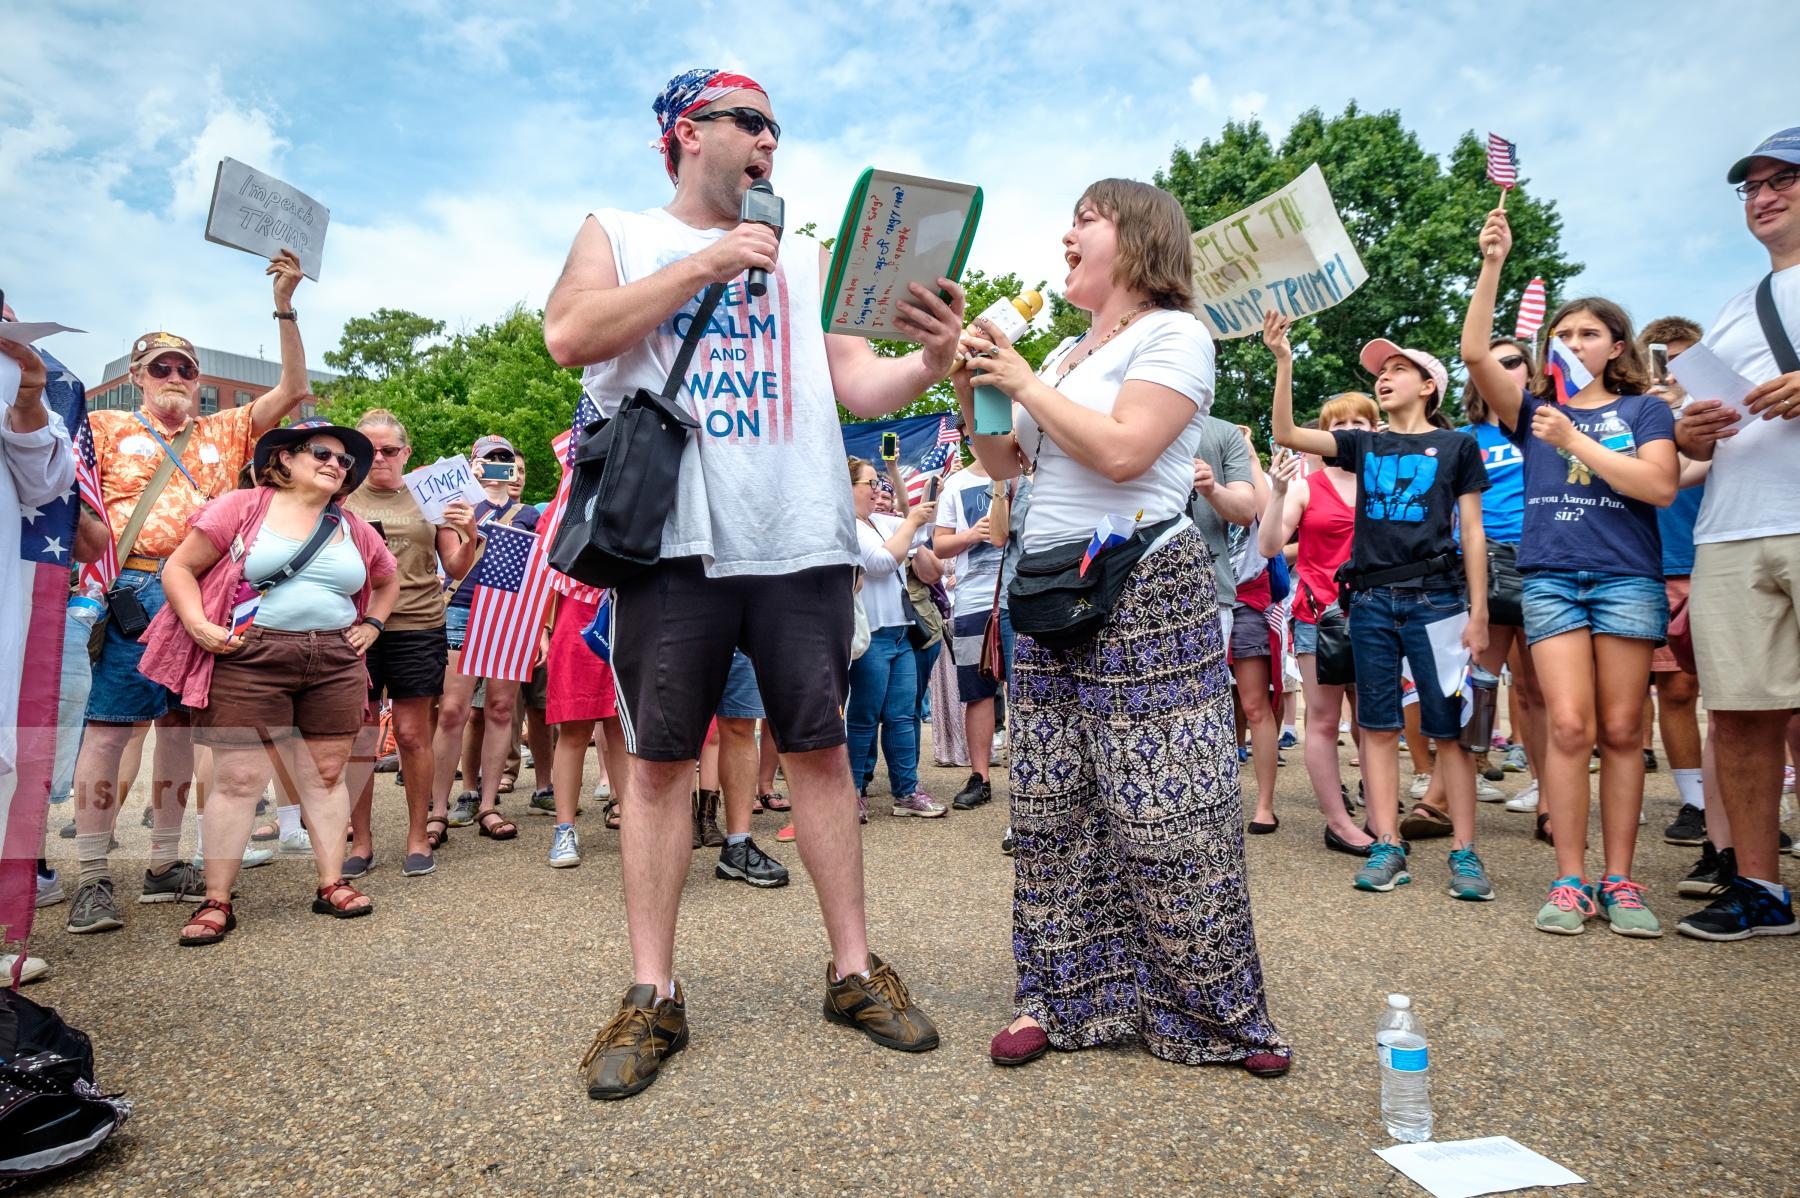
<point x="441" y="836"/>
<point x="504" y="830"/>
<point x="215" y="931"/>
<point x="611" y="815"/>
<point x="334" y="900"/>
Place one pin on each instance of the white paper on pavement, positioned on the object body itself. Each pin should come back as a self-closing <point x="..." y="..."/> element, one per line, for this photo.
<point x="1704" y="375"/>
<point x="27" y="331"/>
<point x="1466" y="1168"/>
<point x="442" y="483"/>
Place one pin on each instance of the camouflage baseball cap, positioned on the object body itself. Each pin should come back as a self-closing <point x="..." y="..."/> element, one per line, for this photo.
<point x="153" y="345"/>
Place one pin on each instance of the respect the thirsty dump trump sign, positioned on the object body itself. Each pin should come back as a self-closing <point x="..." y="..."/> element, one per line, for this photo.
<point x="1288" y="252"/>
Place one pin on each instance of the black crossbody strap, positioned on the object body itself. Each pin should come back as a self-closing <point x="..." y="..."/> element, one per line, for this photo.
<point x="691" y="342"/>
<point x="1779" y="341"/>
<point x="322" y="533"/>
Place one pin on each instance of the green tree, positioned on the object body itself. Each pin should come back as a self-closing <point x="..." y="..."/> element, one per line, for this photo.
<point x="1413" y="221"/>
<point x="498" y="378"/>
<point x="382" y="344"/>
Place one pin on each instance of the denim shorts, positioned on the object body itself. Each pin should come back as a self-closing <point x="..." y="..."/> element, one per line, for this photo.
<point x="1391" y="623"/>
<point x="741" y="701"/>
<point x="1622" y="605"/>
<point x="456" y="626"/>
<point x="1306" y="638"/>
<point x="118" y="694"/>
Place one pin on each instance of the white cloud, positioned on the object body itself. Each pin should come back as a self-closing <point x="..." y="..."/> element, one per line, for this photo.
<point x="1202" y="92"/>
<point x="1245" y="105"/>
<point x="247" y="135"/>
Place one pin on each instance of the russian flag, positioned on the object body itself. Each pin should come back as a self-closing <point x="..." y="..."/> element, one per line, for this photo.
<point x="1111" y="531"/>
<point x="1567" y="374"/>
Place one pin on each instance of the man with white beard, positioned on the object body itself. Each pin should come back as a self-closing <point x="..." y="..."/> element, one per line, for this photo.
<point x="204" y="455"/>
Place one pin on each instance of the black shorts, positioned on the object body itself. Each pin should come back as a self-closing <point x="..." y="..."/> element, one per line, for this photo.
<point x="673" y="633"/>
<point x="408" y="664"/>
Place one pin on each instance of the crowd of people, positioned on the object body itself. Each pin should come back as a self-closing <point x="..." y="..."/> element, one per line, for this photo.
<point x="285" y="614"/>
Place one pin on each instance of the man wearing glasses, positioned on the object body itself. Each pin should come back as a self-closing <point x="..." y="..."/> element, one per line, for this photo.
<point x="206" y="453"/>
<point x="758" y="553"/>
<point x="1745" y="605"/>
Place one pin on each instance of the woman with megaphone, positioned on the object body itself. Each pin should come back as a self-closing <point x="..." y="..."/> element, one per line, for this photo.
<point x="1131" y="916"/>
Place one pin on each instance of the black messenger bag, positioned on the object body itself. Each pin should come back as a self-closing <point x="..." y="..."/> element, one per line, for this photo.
<point x="624" y="476"/>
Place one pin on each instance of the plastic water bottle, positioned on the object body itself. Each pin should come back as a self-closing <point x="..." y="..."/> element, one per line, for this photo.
<point x="1405" y="1075"/>
<point x="1013" y="317"/>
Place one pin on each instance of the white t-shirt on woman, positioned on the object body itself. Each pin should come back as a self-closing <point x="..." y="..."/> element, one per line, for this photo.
<point x="1172" y="349"/>
<point x="884" y="575"/>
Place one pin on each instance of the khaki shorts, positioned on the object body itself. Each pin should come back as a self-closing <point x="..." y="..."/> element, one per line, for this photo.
<point x="280" y="683"/>
<point x="1745" y="623"/>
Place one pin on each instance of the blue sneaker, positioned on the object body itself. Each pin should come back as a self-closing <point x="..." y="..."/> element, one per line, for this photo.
<point x="1746" y="909"/>
<point x="1243" y="754"/>
<point x="1385" y="870"/>
<point x="565" y="847"/>
<point x="1289" y="740"/>
<point x="1468" y="880"/>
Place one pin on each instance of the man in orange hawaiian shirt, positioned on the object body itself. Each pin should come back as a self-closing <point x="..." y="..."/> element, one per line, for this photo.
<point x="128" y="449"/>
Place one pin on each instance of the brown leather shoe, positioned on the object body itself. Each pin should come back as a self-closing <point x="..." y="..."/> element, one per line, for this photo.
<point x="696" y="814"/>
<point x="627" y="1052"/>
<point x="879" y="1007"/>
<point x="1425" y="822"/>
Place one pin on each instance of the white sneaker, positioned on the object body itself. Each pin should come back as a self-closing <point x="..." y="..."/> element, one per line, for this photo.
<point x="297" y="844"/>
<point x="35" y="968"/>
<point x="1421" y="784"/>
<point x="1487" y="792"/>
<point x="49" y="890"/>
<point x="565" y="847"/>
<point x="603" y="789"/>
<point x="1526" y="800"/>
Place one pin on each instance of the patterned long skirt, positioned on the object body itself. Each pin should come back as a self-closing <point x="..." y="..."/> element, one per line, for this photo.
<point x="1131" y="914"/>
<point x="949" y="738"/>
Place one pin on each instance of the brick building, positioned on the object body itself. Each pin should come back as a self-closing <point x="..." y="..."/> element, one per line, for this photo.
<point x="226" y="380"/>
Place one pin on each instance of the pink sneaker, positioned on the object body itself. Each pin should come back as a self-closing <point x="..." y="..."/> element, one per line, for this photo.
<point x="920" y="804"/>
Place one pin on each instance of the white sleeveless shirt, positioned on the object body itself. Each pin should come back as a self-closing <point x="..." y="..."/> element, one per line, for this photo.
<point x="763" y="488"/>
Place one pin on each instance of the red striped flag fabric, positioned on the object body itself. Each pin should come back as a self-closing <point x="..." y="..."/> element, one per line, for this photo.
<point x="1502" y="161"/>
<point x="947" y="432"/>
<point x="552" y="520"/>
<point x="1531" y="311"/>
<point x="512" y="588"/>
<point x="102" y="571"/>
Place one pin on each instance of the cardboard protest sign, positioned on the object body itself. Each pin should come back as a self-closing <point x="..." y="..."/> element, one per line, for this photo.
<point x="897" y="230"/>
<point x="442" y="483"/>
<point x="1288" y="252"/>
<point x="261" y="215"/>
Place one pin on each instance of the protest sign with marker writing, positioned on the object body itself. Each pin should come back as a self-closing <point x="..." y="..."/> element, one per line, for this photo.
<point x="1287" y="252"/>
<point x="261" y="215"/>
<point x="442" y="483"/>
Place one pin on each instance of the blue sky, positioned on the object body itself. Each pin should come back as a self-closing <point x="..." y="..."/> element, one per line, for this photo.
<point x="458" y="145"/>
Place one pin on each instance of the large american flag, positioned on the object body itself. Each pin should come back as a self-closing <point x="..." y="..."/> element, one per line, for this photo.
<point x="1502" y="162"/>
<point x="36" y="589"/>
<point x="586" y="412"/>
<point x="512" y="587"/>
<point x="1531" y="311"/>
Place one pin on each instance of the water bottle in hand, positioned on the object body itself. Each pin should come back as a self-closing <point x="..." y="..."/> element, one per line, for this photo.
<point x="1405" y="1085"/>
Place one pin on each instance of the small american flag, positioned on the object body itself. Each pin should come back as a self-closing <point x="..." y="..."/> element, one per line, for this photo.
<point x="947" y="433"/>
<point x="1531" y="311"/>
<point x="933" y="461"/>
<point x="512" y="585"/>
<point x="103" y="571"/>
<point x="1503" y="162"/>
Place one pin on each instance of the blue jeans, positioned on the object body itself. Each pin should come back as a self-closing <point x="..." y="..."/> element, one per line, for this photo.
<point x="71" y="705"/>
<point x="924" y="661"/>
<point x="884" y="691"/>
<point x="1386" y="624"/>
<point x="456" y="626"/>
<point x="741" y="701"/>
<point x="1624" y="605"/>
<point x="119" y="694"/>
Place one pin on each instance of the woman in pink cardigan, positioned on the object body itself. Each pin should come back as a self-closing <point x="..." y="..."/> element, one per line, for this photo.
<point x="263" y="637"/>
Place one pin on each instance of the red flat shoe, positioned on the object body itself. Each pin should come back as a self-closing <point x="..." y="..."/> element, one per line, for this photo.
<point x="1020" y="1047"/>
<point x="1268" y="1064"/>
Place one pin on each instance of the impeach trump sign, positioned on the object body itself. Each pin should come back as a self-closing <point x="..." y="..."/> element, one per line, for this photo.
<point x="1288" y="252"/>
<point x="261" y="215"/>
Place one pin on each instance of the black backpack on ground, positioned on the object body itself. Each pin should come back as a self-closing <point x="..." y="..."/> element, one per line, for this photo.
<point x="51" y="1114"/>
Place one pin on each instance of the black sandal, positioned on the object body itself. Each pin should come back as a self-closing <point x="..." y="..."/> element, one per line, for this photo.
<point x="776" y="802"/>
<point x="324" y="902"/>
<point x="611" y="815"/>
<point x="217" y="932"/>
<point x="493" y="831"/>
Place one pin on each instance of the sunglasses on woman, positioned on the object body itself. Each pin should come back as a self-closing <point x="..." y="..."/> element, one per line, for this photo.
<point x="392" y="451"/>
<point x="162" y="370"/>
<point x="322" y="455"/>
<point x="748" y="119"/>
<point x="1511" y="361"/>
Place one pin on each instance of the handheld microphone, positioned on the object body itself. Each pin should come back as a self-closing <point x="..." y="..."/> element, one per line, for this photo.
<point x="762" y="206"/>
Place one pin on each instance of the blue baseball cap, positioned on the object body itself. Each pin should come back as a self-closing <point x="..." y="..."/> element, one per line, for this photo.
<point x="1783" y="147"/>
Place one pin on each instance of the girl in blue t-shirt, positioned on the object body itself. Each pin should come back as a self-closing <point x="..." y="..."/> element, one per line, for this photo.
<point x="1596" y="469"/>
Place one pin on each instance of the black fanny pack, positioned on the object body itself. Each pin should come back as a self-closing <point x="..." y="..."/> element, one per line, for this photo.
<point x="1423" y="572"/>
<point x="1057" y="605"/>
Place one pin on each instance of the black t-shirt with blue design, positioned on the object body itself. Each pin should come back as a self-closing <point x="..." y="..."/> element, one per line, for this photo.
<point x="1407" y="485"/>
